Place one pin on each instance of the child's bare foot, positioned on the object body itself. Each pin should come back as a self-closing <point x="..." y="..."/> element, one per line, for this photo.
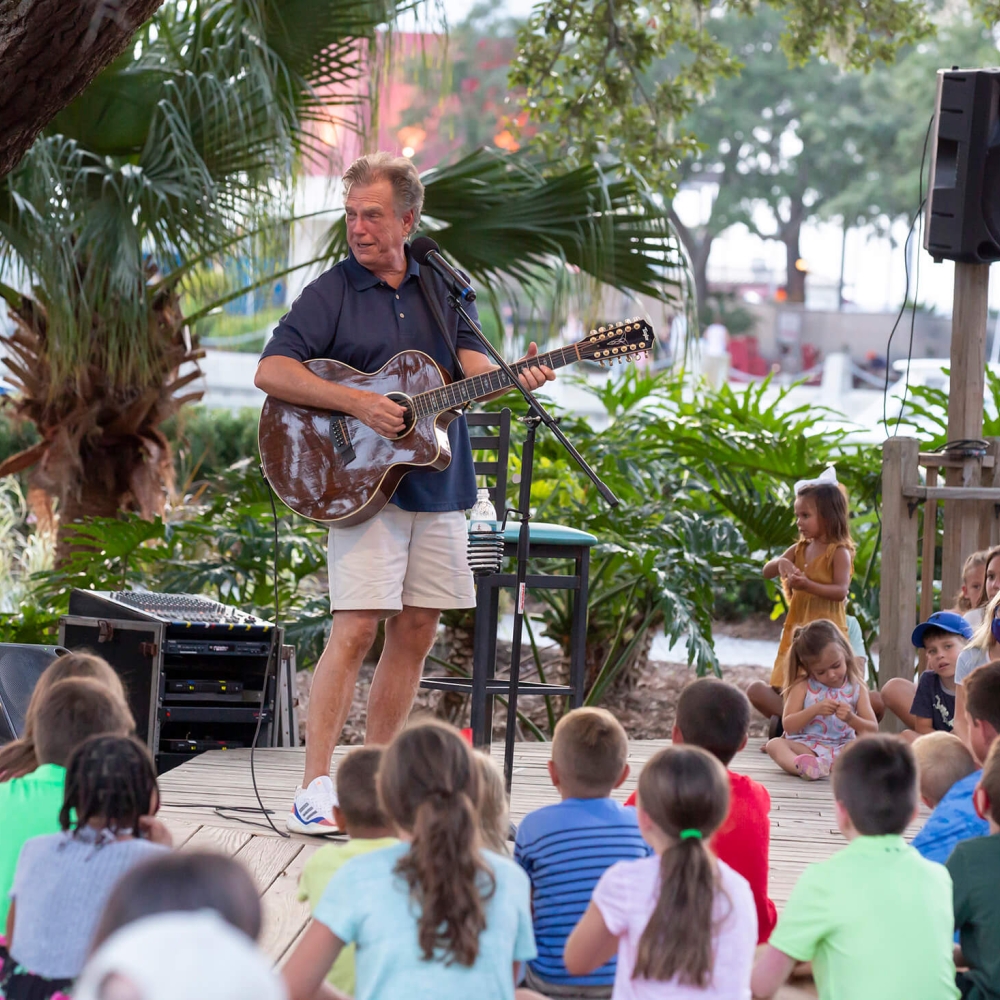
<point x="811" y="768"/>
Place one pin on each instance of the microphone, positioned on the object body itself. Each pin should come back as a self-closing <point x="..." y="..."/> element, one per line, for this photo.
<point x="426" y="251"/>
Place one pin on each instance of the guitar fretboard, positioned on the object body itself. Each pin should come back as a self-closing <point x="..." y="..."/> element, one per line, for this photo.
<point x="456" y="394"/>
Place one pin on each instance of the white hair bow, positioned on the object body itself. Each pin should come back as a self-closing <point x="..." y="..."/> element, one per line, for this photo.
<point x="828" y="477"/>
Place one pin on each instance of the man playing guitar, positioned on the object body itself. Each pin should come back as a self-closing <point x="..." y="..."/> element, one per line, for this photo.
<point x="408" y="562"/>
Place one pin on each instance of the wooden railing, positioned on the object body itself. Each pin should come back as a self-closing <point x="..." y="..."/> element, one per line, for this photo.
<point x="909" y="509"/>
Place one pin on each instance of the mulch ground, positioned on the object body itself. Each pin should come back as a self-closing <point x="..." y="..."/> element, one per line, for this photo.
<point x="646" y="710"/>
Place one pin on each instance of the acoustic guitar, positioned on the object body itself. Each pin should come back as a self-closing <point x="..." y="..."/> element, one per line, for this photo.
<point x="332" y="468"/>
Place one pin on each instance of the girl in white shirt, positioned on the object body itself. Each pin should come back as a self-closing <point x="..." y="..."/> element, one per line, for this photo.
<point x="682" y="923"/>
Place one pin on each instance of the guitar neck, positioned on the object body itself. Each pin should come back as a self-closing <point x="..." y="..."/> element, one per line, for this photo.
<point x="480" y="386"/>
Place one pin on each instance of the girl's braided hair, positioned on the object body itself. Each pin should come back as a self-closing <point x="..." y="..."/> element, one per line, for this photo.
<point x="111" y="778"/>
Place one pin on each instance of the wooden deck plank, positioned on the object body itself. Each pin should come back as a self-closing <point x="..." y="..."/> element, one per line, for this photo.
<point x="221" y="840"/>
<point x="285" y="917"/>
<point x="268" y="858"/>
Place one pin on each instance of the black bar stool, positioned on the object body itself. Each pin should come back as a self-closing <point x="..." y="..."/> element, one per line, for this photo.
<point x="490" y="433"/>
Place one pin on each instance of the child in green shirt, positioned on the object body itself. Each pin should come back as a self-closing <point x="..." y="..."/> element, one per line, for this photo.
<point x="71" y="711"/>
<point x="361" y="816"/>
<point x="875" y="920"/>
<point x="975" y="870"/>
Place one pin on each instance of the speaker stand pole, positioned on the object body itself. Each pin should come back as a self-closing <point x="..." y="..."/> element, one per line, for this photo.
<point x="969" y="320"/>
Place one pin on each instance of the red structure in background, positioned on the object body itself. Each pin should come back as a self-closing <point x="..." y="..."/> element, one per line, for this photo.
<point x="745" y="357"/>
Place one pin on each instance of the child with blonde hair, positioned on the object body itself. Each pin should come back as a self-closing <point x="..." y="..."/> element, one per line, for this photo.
<point x="681" y="922"/>
<point x="436" y="915"/>
<point x="948" y="776"/>
<point x="970" y="594"/>
<point x="494" y="816"/>
<point x="18" y="757"/>
<point x="983" y="648"/>
<point x="989" y="589"/>
<point x="826" y="703"/>
<point x="815" y="576"/>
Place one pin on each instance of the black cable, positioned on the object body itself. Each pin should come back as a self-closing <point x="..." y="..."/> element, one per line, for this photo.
<point x="906" y="295"/>
<point x="267" y="672"/>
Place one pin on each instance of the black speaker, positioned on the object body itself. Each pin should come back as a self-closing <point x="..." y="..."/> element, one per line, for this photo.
<point x="963" y="202"/>
<point x="20" y="667"/>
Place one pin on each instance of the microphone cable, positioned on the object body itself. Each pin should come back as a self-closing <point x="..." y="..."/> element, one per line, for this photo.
<point x="267" y="670"/>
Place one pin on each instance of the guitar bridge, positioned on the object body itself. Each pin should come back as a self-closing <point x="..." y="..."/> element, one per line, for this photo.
<point x="340" y="438"/>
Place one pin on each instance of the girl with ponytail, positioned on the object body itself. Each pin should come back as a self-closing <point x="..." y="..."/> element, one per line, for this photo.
<point x="682" y="923"/>
<point x="436" y="915"/>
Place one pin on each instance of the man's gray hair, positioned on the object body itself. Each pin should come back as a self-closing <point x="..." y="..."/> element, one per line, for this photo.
<point x="408" y="192"/>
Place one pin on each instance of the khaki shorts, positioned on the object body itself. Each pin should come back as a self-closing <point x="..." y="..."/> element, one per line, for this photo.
<point x="401" y="558"/>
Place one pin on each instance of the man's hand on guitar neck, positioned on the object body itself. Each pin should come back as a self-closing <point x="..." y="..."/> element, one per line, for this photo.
<point x="533" y="377"/>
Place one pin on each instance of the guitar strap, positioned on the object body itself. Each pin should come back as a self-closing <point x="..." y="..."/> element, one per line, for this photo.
<point x="435" y="307"/>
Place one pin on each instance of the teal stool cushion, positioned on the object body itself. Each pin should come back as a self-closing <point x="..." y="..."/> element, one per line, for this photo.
<point x="550" y="534"/>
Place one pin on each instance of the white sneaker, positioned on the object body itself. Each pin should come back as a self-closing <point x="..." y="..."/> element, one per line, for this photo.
<point x="312" y="810"/>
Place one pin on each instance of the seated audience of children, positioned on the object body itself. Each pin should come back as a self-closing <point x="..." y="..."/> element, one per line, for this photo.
<point x="975" y="872"/>
<point x="682" y="923"/>
<point x="826" y="702"/>
<point x="183" y="882"/>
<point x="71" y="711"/>
<point x="63" y="880"/>
<point x="948" y="777"/>
<point x="875" y="920"/>
<point x="179" y="956"/>
<point x="494" y="814"/>
<point x="983" y="648"/>
<point x="436" y="915"/>
<point x="982" y="709"/>
<point x="18" y="757"/>
<point x="929" y="705"/>
<point x="715" y="716"/>
<point x="359" y="814"/>
<point x="566" y="847"/>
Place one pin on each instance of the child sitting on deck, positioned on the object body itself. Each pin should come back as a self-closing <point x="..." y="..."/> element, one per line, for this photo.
<point x="361" y="816"/>
<point x="64" y="879"/>
<point x="183" y="882"/>
<point x="929" y="705"/>
<point x="715" y="716"/>
<point x="948" y="777"/>
<point x="682" y="923"/>
<point x="826" y="702"/>
<point x="566" y="847"/>
<point x="494" y="813"/>
<point x="70" y="712"/>
<point x="875" y="920"/>
<point x="435" y="915"/>
<point x="19" y="757"/>
<point x="975" y="871"/>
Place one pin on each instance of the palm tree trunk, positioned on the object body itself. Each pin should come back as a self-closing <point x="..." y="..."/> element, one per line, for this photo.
<point x="49" y="52"/>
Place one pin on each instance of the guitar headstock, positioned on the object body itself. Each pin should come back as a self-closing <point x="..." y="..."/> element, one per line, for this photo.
<point x="617" y="341"/>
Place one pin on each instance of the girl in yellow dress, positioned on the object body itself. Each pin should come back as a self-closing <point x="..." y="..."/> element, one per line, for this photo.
<point x="815" y="576"/>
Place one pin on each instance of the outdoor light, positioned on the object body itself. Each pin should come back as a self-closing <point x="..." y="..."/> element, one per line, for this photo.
<point x="800" y="264"/>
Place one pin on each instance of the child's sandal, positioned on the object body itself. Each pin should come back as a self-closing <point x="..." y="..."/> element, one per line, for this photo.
<point x="811" y="768"/>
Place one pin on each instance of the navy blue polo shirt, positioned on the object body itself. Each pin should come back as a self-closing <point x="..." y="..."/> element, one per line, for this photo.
<point x="350" y="315"/>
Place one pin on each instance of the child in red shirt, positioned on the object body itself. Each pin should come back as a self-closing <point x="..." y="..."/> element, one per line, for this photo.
<point x="715" y="716"/>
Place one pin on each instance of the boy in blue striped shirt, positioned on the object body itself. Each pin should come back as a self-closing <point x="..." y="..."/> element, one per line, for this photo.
<point x="565" y="848"/>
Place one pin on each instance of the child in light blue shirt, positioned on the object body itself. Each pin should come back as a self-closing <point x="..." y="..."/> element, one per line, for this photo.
<point x="435" y="915"/>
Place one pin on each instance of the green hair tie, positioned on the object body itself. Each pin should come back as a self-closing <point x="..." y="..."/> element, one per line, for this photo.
<point x="688" y="834"/>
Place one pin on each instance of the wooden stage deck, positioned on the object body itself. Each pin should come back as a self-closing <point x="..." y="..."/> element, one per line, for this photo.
<point x="197" y="794"/>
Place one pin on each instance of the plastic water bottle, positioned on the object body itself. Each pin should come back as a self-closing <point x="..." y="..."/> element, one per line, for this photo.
<point x="485" y="537"/>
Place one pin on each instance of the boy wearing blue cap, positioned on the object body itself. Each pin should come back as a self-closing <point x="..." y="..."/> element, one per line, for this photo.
<point x="929" y="705"/>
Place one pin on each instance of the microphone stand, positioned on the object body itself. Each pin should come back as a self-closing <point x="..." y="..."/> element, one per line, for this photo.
<point x="537" y="414"/>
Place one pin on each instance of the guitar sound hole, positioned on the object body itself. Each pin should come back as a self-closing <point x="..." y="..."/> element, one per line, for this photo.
<point x="408" y="416"/>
